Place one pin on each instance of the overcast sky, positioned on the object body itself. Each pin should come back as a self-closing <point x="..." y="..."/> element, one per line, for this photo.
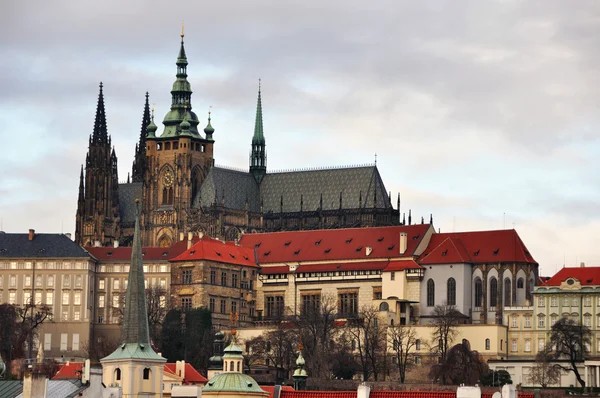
<point x="484" y="113"/>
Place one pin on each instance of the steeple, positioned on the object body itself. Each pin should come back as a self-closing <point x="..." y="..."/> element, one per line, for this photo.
<point x="181" y="99"/>
<point x="100" y="134"/>
<point x="134" y="329"/>
<point x="258" y="155"/>
<point x="81" y="187"/>
<point x="139" y="163"/>
<point x="209" y="130"/>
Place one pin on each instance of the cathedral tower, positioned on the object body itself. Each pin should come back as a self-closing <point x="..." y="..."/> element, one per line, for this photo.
<point x="258" y="154"/>
<point x="177" y="162"/>
<point x="97" y="217"/>
<point x="139" y="164"/>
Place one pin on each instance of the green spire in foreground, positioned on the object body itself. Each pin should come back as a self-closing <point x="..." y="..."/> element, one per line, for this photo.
<point x="135" y="317"/>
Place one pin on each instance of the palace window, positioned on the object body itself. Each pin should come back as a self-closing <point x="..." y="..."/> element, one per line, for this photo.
<point x="311" y="304"/>
<point x="566" y="301"/>
<point x="587" y="321"/>
<point x="223" y="278"/>
<point x="348" y="304"/>
<point x="430" y="293"/>
<point x="186" y="276"/>
<point x="234" y="306"/>
<point x="101" y="301"/>
<point x="65" y="298"/>
<point x="507" y="292"/>
<point x="554" y="301"/>
<point x="234" y="280"/>
<point x="49" y="298"/>
<point x="451" y="294"/>
<point x="541" y="345"/>
<point x="515" y="321"/>
<point x="274" y="306"/>
<point x="101" y="284"/>
<point x="587" y="301"/>
<point x="541" y="302"/>
<point x="77" y="298"/>
<point x="213" y="277"/>
<point x="116" y="284"/>
<point x="527" y="321"/>
<point x="527" y="345"/>
<point x="487" y="344"/>
<point x="553" y="319"/>
<point x="493" y="292"/>
<point x="541" y="321"/>
<point x="223" y="307"/>
<point x="186" y="304"/>
<point x="211" y="304"/>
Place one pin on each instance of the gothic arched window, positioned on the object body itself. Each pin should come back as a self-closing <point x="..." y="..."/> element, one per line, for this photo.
<point x="451" y="293"/>
<point x="430" y="293"/>
<point x="478" y="291"/>
<point x="118" y="374"/>
<point x="520" y="283"/>
<point x="493" y="291"/>
<point x="384" y="307"/>
<point x="507" y="291"/>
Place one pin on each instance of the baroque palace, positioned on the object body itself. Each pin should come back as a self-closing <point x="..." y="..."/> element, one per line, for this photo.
<point x="181" y="189"/>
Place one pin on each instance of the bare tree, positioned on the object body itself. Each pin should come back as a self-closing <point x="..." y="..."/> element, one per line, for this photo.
<point x="19" y="328"/>
<point x="402" y="339"/>
<point x="256" y="352"/>
<point x="569" y="340"/>
<point x="315" y="324"/>
<point x="369" y="336"/>
<point x="445" y="321"/>
<point x="100" y="348"/>
<point x="280" y="351"/>
<point x="543" y="372"/>
<point x="157" y="304"/>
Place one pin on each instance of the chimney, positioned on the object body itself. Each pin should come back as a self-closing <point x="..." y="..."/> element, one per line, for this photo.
<point x="181" y="236"/>
<point x="97" y="243"/>
<point x="403" y="242"/>
<point x="363" y="391"/>
<point x="180" y="369"/>
<point x="190" y="237"/>
<point x="582" y="264"/>
<point x="116" y="244"/>
<point x="200" y="234"/>
<point x="68" y="235"/>
<point x="31" y="234"/>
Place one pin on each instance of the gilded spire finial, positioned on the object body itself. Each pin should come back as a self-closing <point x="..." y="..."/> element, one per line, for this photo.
<point x="153" y="105"/>
<point x="209" y="112"/>
<point x="182" y="30"/>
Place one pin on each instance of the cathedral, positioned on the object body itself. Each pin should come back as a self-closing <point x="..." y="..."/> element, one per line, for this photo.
<point x="181" y="190"/>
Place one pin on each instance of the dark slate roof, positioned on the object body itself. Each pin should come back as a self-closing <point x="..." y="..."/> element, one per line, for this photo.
<point x="10" y="388"/>
<point x="42" y="245"/>
<point x="235" y="186"/>
<point x="311" y="184"/>
<point x="128" y="193"/>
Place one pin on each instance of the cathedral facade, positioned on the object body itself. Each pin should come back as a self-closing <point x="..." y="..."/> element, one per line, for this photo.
<point x="181" y="190"/>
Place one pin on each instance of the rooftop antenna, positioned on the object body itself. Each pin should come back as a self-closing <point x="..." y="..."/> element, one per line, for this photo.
<point x="375" y="158"/>
<point x="504" y="222"/>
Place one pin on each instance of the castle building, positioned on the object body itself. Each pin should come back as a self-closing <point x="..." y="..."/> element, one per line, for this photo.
<point x="181" y="189"/>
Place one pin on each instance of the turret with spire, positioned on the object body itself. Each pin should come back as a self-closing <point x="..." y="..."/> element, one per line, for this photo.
<point x="258" y="154"/>
<point x="134" y="365"/>
<point x="300" y="374"/>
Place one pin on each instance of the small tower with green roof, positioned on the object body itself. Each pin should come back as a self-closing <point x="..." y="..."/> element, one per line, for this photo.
<point x="134" y="366"/>
<point x="300" y="374"/>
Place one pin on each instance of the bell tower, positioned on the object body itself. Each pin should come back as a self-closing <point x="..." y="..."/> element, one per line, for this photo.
<point x="177" y="162"/>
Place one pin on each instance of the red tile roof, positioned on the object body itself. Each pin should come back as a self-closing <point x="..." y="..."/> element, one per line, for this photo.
<point x="191" y="375"/>
<point x="271" y="389"/>
<point x="318" y="394"/>
<point x="149" y="253"/>
<point x="382" y="394"/>
<point x="72" y="370"/>
<point x="215" y="250"/>
<point x="69" y="370"/>
<point x="334" y="244"/>
<point x="587" y="276"/>
<point x="476" y="247"/>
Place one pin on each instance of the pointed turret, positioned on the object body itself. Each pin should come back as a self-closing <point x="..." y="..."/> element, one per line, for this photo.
<point x="151" y="127"/>
<point x="209" y="130"/>
<point x="258" y="155"/>
<point x="139" y="164"/>
<point x="300" y="374"/>
<point x="81" y="187"/>
<point x="181" y="99"/>
<point x="100" y="133"/>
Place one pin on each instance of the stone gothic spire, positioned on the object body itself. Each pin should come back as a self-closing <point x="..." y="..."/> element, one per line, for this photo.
<point x="258" y="155"/>
<point x="139" y="163"/>
<point x="100" y="134"/>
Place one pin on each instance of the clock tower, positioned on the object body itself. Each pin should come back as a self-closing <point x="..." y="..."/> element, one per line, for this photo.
<point x="177" y="162"/>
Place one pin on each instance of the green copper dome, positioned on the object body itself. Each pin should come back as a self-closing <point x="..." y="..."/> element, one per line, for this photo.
<point x="151" y="128"/>
<point x="232" y="382"/>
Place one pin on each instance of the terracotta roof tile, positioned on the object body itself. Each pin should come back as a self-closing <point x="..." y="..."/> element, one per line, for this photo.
<point x="318" y="394"/>
<point x="587" y="276"/>
<point x="215" y="250"/>
<point x="69" y="370"/>
<point x="271" y="389"/>
<point x="148" y="253"/>
<point x="476" y="247"/>
<point x="191" y="374"/>
<point x="334" y="244"/>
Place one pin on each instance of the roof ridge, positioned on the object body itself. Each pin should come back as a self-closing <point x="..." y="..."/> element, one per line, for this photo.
<point x="458" y="251"/>
<point x="435" y="248"/>
<point x="230" y="168"/>
<point x="323" y="168"/>
<point x="335" y="230"/>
